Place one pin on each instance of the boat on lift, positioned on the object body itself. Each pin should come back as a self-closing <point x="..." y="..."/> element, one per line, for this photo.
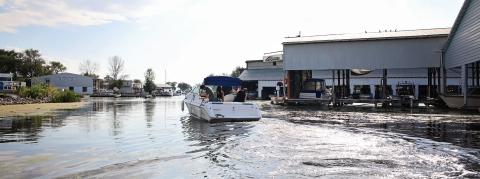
<point x="220" y="111"/>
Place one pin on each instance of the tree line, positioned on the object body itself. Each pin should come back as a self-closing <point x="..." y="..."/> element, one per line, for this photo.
<point x="27" y="64"/>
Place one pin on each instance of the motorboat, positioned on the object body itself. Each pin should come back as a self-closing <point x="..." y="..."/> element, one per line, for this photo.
<point x="218" y="111"/>
<point x="314" y="89"/>
<point x="405" y="95"/>
<point x="166" y="92"/>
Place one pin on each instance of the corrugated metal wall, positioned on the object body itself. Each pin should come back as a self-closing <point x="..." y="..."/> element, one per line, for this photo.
<point x="378" y="54"/>
<point x="65" y="80"/>
<point x="464" y="47"/>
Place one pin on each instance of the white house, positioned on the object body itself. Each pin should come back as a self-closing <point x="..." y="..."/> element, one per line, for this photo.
<point x="262" y="76"/>
<point x="77" y="83"/>
<point x="7" y="84"/>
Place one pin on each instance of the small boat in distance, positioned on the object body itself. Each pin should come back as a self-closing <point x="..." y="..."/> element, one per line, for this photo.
<point x="116" y="95"/>
<point x="166" y="93"/>
<point x="218" y="111"/>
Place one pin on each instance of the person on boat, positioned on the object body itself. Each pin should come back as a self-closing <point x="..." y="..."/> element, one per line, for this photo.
<point x="208" y="93"/>
<point x="241" y="95"/>
<point x="220" y="94"/>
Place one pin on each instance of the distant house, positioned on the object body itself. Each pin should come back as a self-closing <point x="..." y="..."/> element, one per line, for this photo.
<point x="127" y="87"/>
<point x="164" y="86"/>
<point x="68" y="81"/>
<point x="97" y="85"/>
<point x="164" y="90"/>
<point x="7" y="84"/>
<point x="137" y="87"/>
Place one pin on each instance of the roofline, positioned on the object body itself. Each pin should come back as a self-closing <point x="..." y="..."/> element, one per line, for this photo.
<point x="275" y="52"/>
<point x="369" y="39"/>
<point x="456" y="24"/>
<point x="63" y="73"/>
<point x="253" y="61"/>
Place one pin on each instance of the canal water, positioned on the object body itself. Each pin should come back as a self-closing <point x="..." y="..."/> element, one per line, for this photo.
<point x="143" y="138"/>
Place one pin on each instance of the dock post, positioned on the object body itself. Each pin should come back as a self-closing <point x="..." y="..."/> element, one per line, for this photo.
<point x="384" y="88"/>
<point x="429" y="82"/>
<point x="434" y="79"/>
<point x="343" y="83"/>
<point x="464" y="84"/>
<point x="478" y="73"/>
<point x="334" y="96"/>
<point x="443" y="74"/>
<point x="473" y="74"/>
<point x="348" y="83"/>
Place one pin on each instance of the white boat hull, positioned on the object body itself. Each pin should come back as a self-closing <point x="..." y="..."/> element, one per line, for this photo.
<point x="221" y="111"/>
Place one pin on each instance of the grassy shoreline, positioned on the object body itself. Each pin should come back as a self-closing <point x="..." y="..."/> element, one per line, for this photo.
<point x="36" y="109"/>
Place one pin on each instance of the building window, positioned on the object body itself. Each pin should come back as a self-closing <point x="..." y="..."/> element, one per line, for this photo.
<point x="71" y="88"/>
<point x="84" y="89"/>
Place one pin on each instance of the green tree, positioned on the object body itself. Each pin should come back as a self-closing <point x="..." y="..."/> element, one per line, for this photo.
<point x="56" y="67"/>
<point x="33" y="64"/>
<point x="9" y="62"/>
<point x="116" y="83"/>
<point x="173" y="84"/>
<point x="149" y="86"/>
<point x="236" y="73"/>
<point x="184" y="86"/>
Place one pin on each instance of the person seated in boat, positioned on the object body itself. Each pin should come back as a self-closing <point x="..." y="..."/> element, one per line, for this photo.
<point x="208" y="93"/>
<point x="220" y="94"/>
<point x="241" y="95"/>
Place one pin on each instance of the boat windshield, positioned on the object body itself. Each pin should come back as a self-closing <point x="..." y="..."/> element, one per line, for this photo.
<point x="195" y="90"/>
<point x="314" y="86"/>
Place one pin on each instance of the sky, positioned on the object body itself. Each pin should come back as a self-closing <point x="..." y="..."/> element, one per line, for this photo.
<point x="189" y="39"/>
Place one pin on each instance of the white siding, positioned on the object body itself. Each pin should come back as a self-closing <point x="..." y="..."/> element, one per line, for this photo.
<point x="373" y="54"/>
<point x="67" y="80"/>
<point x="464" y="45"/>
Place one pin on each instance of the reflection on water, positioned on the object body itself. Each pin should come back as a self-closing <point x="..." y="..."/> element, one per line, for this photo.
<point x="142" y="138"/>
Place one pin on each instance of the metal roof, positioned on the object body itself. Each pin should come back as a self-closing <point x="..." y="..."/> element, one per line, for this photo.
<point x="64" y="74"/>
<point x="403" y="34"/>
<point x="6" y="75"/>
<point x="262" y="75"/>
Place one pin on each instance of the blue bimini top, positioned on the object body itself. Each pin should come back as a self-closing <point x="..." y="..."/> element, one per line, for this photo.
<point x="222" y="81"/>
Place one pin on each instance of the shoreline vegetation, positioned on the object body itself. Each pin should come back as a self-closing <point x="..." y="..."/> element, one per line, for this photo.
<point x="38" y="100"/>
<point x="39" y="94"/>
<point x="36" y="109"/>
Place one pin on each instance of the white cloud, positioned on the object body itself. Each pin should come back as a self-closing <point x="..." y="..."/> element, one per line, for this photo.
<point x="20" y="13"/>
<point x="192" y="38"/>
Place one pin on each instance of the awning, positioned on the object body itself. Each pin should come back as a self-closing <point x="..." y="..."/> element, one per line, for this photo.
<point x="222" y="81"/>
<point x="262" y="75"/>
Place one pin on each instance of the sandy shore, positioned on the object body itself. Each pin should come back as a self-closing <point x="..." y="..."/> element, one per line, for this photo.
<point x="36" y="109"/>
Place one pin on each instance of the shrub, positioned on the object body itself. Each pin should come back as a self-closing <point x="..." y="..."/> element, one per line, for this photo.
<point x="37" y="91"/>
<point x="65" y="96"/>
<point x="55" y="95"/>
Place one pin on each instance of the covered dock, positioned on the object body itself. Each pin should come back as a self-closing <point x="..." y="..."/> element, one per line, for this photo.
<point x="387" y="58"/>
